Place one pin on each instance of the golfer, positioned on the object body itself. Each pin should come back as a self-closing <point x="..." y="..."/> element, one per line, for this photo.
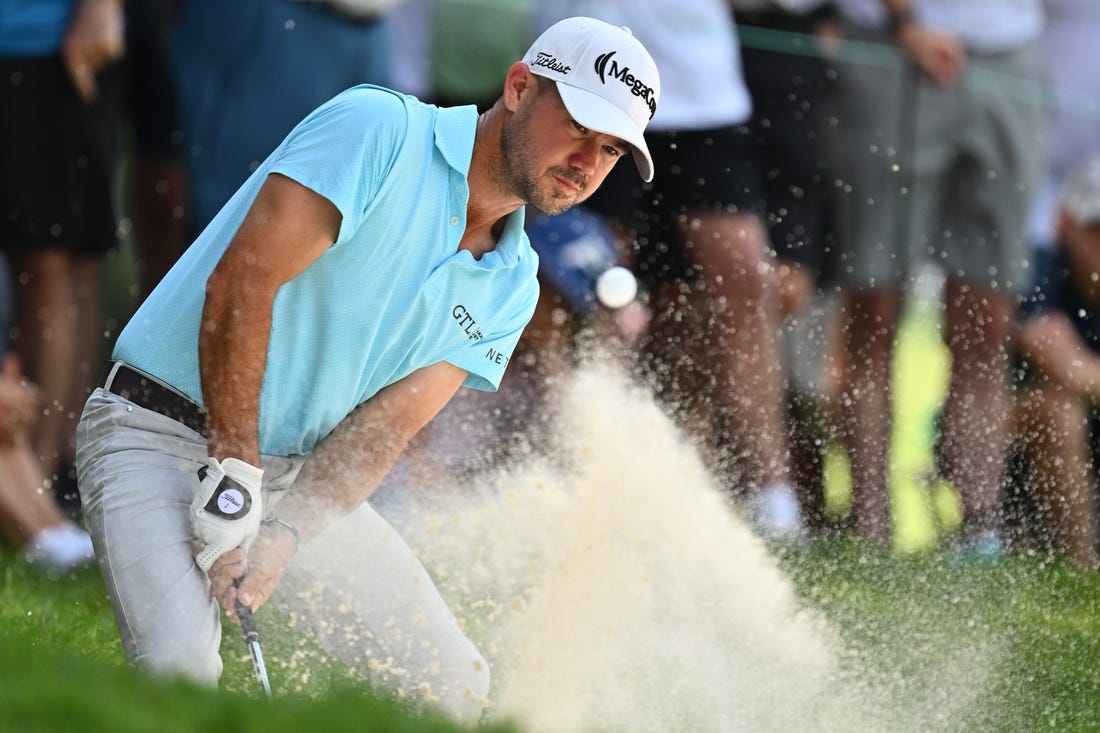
<point x="372" y="265"/>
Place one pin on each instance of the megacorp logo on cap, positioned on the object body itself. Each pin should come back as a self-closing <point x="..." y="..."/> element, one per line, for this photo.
<point x="637" y="87"/>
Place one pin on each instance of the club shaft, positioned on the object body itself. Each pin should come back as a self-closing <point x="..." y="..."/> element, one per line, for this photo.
<point x="258" y="665"/>
<point x="252" y="640"/>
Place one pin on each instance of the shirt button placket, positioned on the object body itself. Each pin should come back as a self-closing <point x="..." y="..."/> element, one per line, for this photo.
<point x="458" y="196"/>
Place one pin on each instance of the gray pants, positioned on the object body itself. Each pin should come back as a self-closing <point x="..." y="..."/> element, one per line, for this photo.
<point x="137" y="477"/>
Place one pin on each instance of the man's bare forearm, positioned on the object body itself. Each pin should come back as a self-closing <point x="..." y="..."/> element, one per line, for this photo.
<point x="287" y="229"/>
<point x="341" y="473"/>
<point x="354" y="458"/>
<point x="233" y="338"/>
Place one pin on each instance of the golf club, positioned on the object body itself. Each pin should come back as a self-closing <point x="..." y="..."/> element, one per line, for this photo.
<point x="252" y="640"/>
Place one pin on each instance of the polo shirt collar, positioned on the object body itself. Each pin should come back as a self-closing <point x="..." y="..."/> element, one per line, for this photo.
<point x="454" y="136"/>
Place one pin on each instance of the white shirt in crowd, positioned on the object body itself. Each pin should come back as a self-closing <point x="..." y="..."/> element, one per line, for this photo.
<point x="989" y="26"/>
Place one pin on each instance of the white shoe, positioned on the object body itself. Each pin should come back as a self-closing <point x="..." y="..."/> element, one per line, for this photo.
<point x="60" y="549"/>
<point x="776" y="513"/>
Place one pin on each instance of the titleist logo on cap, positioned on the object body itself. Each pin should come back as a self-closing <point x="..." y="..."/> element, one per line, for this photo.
<point x="548" y="61"/>
<point x="637" y="87"/>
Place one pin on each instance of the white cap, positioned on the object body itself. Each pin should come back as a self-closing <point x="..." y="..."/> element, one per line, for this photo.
<point x="606" y="78"/>
<point x="1081" y="195"/>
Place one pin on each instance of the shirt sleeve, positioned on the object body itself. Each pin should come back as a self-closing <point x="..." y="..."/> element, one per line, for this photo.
<point x="489" y="358"/>
<point x="345" y="150"/>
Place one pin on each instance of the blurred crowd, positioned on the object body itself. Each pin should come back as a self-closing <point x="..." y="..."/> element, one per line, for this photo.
<point x="815" y="160"/>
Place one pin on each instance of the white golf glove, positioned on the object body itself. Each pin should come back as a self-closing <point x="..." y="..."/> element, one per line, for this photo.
<point x="227" y="509"/>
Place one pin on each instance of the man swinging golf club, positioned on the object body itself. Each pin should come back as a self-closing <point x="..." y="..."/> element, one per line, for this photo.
<point x="372" y="265"/>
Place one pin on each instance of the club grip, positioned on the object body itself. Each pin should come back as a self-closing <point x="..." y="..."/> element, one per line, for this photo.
<point x="248" y="623"/>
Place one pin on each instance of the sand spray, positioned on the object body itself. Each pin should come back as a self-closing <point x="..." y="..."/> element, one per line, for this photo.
<point x="611" y="586"/>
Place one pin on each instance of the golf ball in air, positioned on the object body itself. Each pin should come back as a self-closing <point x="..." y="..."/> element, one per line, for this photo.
<point x="616" y="287"/>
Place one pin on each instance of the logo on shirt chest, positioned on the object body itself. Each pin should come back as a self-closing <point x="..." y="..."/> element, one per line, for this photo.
<point x="467" y="323"/>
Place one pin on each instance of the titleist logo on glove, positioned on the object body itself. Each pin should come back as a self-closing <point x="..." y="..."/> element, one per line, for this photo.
<point x="226" y="510"/>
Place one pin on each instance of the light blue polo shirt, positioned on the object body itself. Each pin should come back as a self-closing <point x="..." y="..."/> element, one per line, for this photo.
<point x="392" y="295"/>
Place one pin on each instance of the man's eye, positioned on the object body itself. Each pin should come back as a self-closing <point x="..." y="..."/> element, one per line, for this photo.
<point x="579" y="127"/>
<point x="613" y="151"/>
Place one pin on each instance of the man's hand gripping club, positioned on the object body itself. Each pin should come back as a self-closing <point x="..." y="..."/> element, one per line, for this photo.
<point x="226" y="509"/>
<point x="226" y="514"/>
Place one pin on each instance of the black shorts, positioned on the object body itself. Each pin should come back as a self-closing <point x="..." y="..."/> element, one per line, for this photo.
<point x="787" y="133"/>
<point x="57" y="158"/>
<point x="694" y="171"/>
<point x="152" y="103"/>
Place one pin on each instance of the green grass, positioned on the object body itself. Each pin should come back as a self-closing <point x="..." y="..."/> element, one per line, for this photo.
<point x="61" y="669"/>
<point x="1011" y="646"/>
<point x="1022" y="635"/>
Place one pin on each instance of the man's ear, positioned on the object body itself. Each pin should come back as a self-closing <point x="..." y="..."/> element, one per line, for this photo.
<point x="519" y="82"/>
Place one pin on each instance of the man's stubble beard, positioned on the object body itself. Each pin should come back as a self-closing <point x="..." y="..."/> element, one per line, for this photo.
<point x="519" y="171"/>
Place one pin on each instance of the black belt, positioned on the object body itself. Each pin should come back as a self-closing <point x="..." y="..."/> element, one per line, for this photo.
<point x="145" y="391"/>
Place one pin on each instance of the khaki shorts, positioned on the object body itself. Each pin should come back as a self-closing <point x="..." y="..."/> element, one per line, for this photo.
<point x="939" y="173"/>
